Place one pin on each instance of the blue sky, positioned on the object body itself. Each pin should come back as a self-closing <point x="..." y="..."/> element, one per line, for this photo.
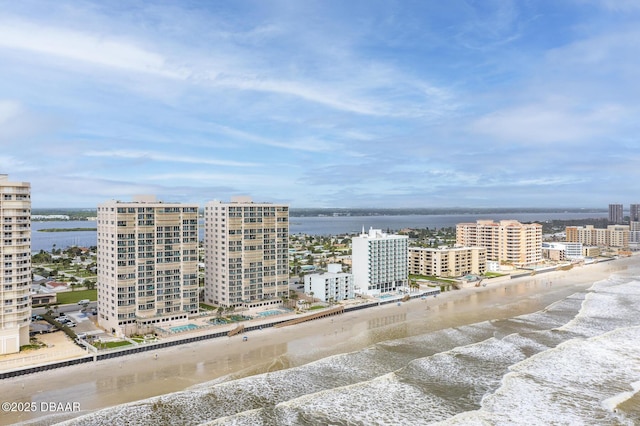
<point x="323" y="103"/>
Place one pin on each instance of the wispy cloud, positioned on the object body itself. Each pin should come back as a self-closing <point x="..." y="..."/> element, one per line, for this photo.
<point x="85" y="47"/>
<point x="428" y="103"/>
<point x="548" y="123"/>
<point x="155" y="156"/>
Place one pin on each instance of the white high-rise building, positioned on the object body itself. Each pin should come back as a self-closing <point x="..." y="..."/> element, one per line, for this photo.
<point x="15" y="275"/>
<point x="147" y="264"/>
<point x="246" y="253"/>
<point x="380" y="262"/>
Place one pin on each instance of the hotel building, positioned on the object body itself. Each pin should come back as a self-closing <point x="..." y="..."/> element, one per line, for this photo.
<point x="147" y="264"/>
<point x="246" y="248"/>
<point x="333" y="285"/>
<point x="507" y="241"/>
<point x="379" y="262"/>
<point x="15" y="275"/>
<point x="447" y="262"/>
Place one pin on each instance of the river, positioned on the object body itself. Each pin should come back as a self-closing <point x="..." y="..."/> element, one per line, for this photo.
<point x="324" y="225"/>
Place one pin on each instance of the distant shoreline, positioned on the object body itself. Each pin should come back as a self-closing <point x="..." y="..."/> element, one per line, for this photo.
<point x="85" y="214"/>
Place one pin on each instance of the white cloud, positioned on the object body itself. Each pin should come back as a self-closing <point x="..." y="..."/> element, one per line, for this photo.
<point x="547" y="123"/>
<point x="9" y="110"/>
<point x="86" y="47"/>
<point x="154" y="156"/>
<point x="300" y="144"/>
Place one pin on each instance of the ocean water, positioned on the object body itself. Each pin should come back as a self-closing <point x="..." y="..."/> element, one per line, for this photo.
<point x="576" y="362"/>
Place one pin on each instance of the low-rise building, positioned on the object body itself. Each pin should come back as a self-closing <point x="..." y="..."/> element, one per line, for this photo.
<point x="333" y="285"/>
<point x="560" y="251"/>
<point x="447" y="261"/>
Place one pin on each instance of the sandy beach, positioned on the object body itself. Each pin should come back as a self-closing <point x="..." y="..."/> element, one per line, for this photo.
<point x="94" y="386"/>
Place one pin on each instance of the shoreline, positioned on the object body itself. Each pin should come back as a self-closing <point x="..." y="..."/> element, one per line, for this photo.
<point x="139" y="376"/>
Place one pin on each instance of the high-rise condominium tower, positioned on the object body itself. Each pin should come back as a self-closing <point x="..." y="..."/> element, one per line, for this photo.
<point x="634" y="212"/>
<point x="246" y="253"/>
<point x="615" y="213"/>
<point x="15" y="275"/>
<point x="380" y="262"/>
<point x="147" y="264"/>
<point x="506" y="241"/>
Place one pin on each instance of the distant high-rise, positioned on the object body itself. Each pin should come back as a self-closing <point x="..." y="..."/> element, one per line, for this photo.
<point x="15" y="276"/>
<point x="634" y="212"/>
<point x="147" y="264"/>
<point x="615" y="213"/>
<point x="611" y="236"/>
<point x="246" y="247"/>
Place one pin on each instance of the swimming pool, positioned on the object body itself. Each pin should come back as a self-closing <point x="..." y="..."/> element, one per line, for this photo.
<point x="181" y="328"/>
<point x="271" y="312"/>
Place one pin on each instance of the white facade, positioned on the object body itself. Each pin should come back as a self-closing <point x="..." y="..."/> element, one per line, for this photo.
<point x="333" y="285"/>
<point x="147" y="264"/>
<point x="567" y="250"/>
<point x="246" y="253"/>
<point x="15" y="275"/>
<point x="380" y="262"/>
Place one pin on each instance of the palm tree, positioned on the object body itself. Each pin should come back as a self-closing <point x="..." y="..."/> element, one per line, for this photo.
<point x="293" y="296"/>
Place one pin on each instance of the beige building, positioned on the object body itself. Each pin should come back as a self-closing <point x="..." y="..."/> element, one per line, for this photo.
<point x="147" y="264"/>
<point x="611" y="236"/>
<point x="447" y="262"/>
<point x="15" y="276"/>
<point x="246" y="253"/>
<point x="507" y="241"/>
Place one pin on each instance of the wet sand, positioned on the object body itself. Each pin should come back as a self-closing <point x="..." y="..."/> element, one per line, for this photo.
<point x="106" y="383"/>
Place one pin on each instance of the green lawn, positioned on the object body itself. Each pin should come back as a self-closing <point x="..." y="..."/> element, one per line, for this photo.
<point x="109" y="345"/>
<point x="76" y="296"/>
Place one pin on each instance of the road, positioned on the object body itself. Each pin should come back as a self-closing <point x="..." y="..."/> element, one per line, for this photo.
<point x="72" y="307"/>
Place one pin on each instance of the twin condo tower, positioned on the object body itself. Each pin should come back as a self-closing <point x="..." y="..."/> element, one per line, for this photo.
<point x="148" y="260"/>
